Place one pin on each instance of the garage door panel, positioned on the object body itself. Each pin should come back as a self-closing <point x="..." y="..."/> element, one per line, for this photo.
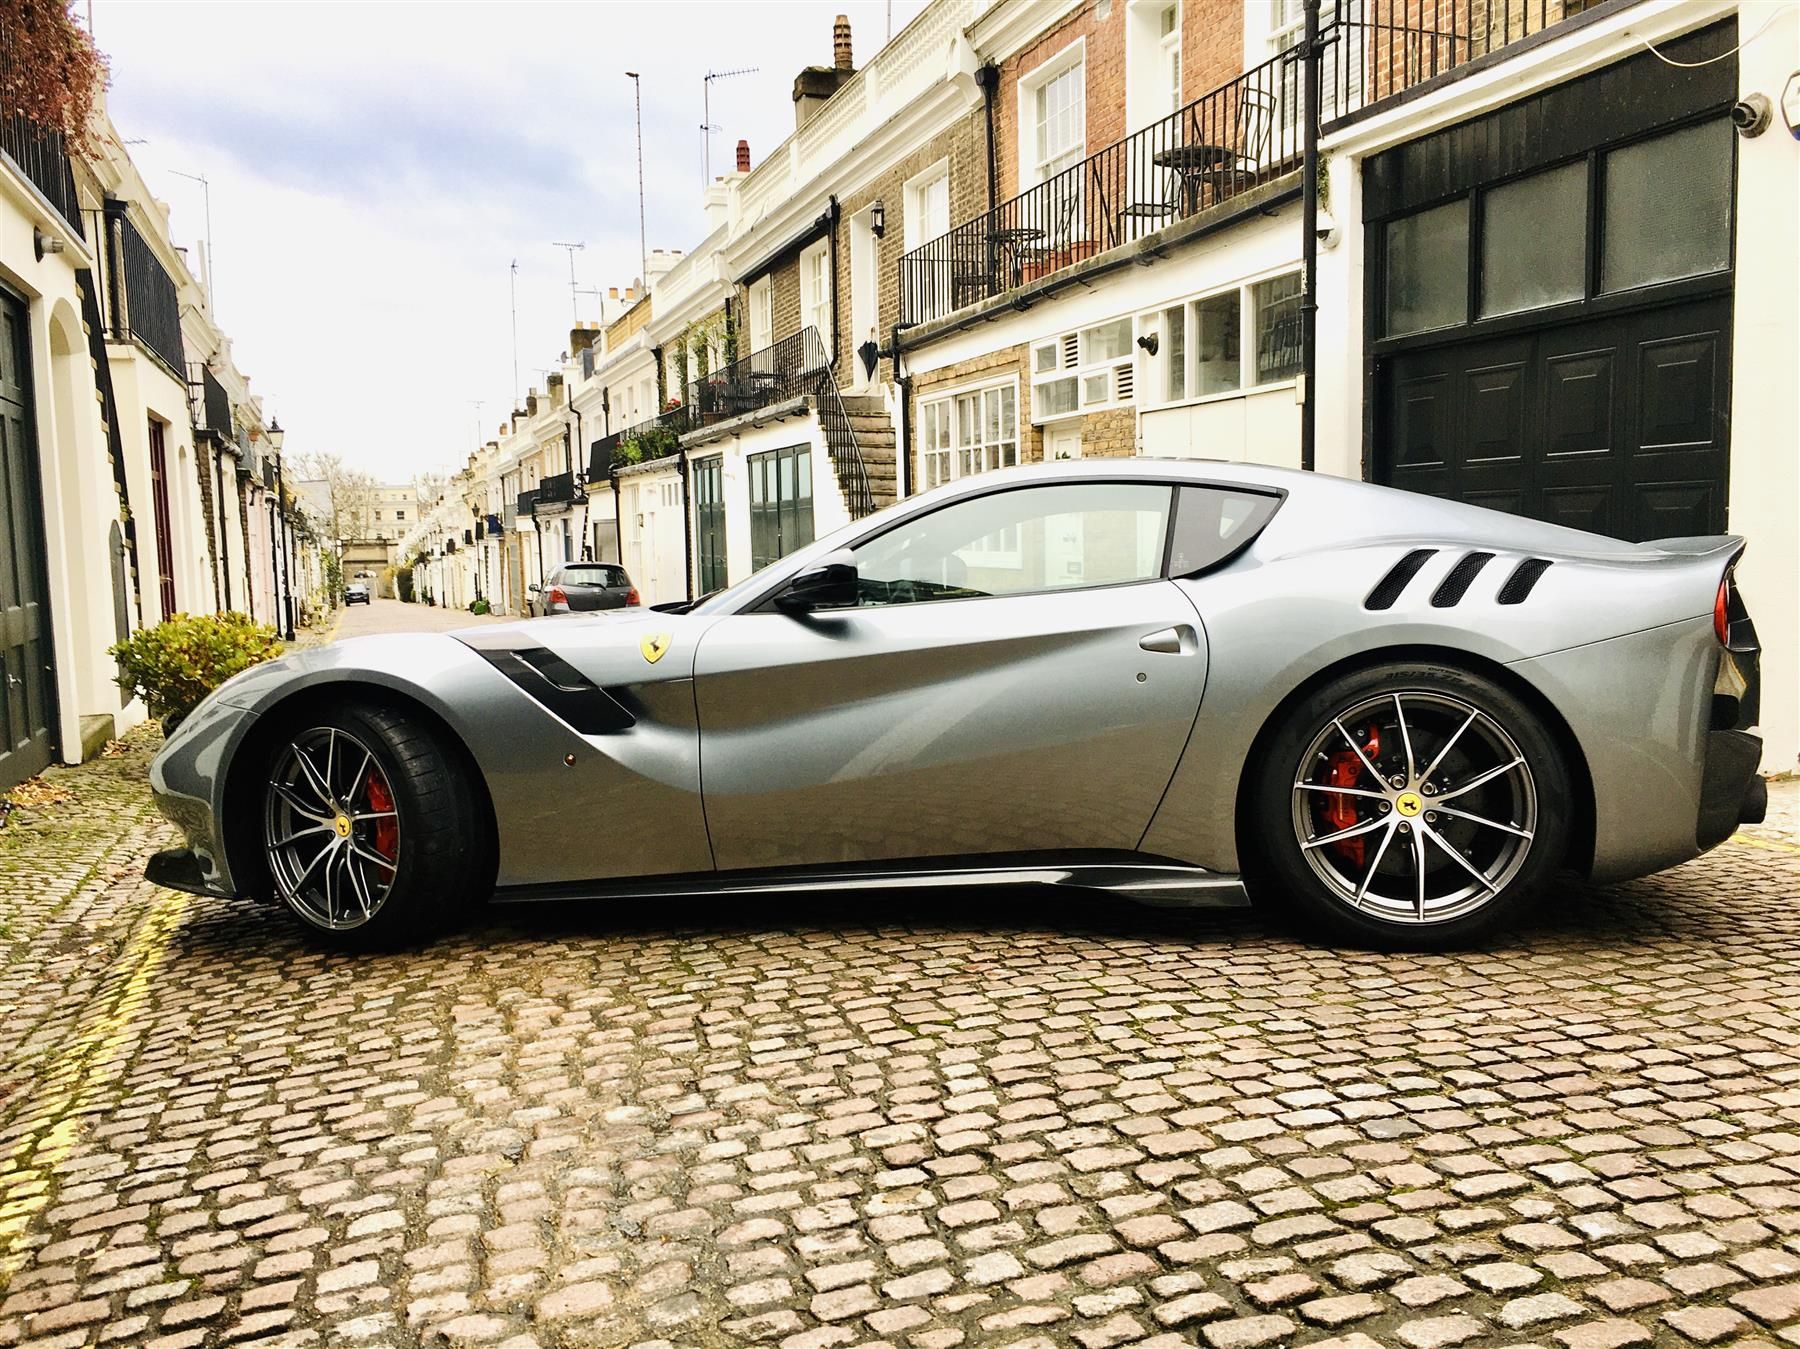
<point x="1495" y="398"/>
<point x="1678" y="408"/>
<point x="1673" y="509"/>
<point x="1592" y="507"/>
<point x="1581" y="404"/>
<point x="1425" y="424"/>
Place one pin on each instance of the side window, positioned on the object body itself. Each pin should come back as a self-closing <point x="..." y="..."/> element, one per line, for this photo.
<point x="1066" y="537"/>
<point x="1213" y="524"/>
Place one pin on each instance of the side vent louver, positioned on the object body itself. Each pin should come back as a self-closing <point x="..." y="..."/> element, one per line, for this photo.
<point x="1389" y="588"/>
<point x="1523" y="578"/>
<point x="1461" y="577"/>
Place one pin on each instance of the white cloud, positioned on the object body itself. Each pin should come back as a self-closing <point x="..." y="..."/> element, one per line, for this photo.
<point x="374" y="168"/>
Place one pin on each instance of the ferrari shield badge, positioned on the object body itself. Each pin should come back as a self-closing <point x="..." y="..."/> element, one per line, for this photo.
<point x="654" y="646"/>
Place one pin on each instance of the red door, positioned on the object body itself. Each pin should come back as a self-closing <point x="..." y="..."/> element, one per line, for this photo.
<point x="159" y="498"/>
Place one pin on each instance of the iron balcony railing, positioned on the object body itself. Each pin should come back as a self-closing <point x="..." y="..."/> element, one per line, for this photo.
<point x="653" y="438"/>
<point x="39" y="154"/>
<point x="1381" y="48"/>
<point x="1237" y="137"/>
<point x="527" y="502"/>
<point x="560" y="489"/>
<point x="212" y="405"/>
<point x="139" y="296"/>
<point x="795" y="367"/>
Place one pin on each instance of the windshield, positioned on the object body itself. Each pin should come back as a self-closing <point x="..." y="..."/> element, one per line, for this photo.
<point x="593" y="576"/>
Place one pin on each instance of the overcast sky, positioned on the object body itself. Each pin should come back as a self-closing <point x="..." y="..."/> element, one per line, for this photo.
<point x="375" y="167"/>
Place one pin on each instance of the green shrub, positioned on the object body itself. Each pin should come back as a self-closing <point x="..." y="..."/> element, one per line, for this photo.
<point x="480" y="606"/>
<point x="403" y="583"/>
<point x="185" y="657"/>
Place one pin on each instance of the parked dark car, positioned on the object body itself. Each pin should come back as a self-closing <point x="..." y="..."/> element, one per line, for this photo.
<point x="576" y="587"/>
<point x="357" y="592"/>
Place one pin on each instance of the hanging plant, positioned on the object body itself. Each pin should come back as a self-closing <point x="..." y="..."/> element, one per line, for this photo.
<point x="50" y="70"/>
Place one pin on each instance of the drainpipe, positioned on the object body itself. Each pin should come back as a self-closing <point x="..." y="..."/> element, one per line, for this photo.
<point x="988" y="80"/>
<point x="618" y="517"/>
<point x="833" y="213"/>
<point x="687" y="524"/>
<point x="1309" y="239"/>
<point x="903" y="451"/>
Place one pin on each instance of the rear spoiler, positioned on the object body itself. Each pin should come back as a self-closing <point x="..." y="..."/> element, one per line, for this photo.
<point x="1696" y="545"/>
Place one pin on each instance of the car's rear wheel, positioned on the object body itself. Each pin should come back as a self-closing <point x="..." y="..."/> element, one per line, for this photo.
<point x="369" y="828"/>
<point x="1412" y="805"/>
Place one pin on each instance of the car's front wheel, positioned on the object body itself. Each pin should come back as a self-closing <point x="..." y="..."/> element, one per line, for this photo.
<point x="370" y="833"/>
<point x="1412" y="805"/>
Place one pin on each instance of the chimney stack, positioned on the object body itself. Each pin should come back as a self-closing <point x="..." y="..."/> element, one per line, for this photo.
<point x="814" y="86"/>
<point x="840" y="43"/>
<point x="743" y="157"/>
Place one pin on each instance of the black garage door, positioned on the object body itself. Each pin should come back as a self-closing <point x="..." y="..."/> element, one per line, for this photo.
<point x="27" y="681"/>
<point x="1616" y="425"/>
<point x="1549" y="301"/>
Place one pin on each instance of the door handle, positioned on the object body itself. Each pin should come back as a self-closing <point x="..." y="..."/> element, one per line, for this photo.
<point x="1168" y="641"/>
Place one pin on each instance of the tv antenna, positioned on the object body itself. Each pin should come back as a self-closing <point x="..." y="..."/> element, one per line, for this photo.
<point x="573" y="249"/>
<point x="706" y="126"/>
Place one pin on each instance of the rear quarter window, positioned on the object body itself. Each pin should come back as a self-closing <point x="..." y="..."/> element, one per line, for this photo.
<point x="1215" y="524"/>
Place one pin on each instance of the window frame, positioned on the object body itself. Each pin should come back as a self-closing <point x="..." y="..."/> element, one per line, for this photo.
<point x="1072" y="58"/>
<point x="760" y="295"/>
<point x="912" y="222"/>
<point x="1152" y="374"/>
<point x="776" y="505"/>
<point x="815" y="290"/>
<point x="946" y="400"/>
<point x="1083" y="369"/>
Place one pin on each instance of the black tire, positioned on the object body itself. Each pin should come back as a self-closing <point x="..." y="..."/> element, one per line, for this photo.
<point x="437" y="860"/>
<point x="1480" y="871"/>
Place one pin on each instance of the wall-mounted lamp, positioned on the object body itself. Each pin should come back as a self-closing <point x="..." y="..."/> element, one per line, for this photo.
<point x="1149" y="342"/>
<point x="878" y="220"/>
<point x="42" y="243"/>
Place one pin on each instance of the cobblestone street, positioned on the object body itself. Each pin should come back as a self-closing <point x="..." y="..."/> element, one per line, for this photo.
<point x="981" y="1119"/>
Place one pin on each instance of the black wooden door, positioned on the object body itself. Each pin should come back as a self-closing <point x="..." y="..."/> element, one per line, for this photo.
<point x="159" y="508"/>
<point x="1618" y="425"/>
<point x="27" y="674"/>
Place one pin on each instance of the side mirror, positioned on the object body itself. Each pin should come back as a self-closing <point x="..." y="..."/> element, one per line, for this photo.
<point x="533" y="589"/>
<point x="830" y="583"/>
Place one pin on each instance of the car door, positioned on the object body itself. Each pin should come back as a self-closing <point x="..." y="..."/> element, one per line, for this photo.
<point x="1017" y="676"/>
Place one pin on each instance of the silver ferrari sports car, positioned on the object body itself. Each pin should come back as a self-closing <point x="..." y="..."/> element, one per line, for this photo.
<point x="1180" y="682"/>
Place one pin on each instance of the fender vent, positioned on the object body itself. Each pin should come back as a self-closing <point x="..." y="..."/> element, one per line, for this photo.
<point x="1523" y="578"/>
<point x="1461" y="577"/>
<point x="1389" y="588"/>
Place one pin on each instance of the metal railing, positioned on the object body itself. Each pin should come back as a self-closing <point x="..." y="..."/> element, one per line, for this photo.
<point x="1382" y="48"/>
<point x="652" y="438"/>
<point x="44" y="161"/>
<point x="795" y="367"/>
<point x="560" y="489"/>
<point x="1236" y="137"/>
<point x="212" y="405"/>
<point x="139" y="296"/>
<point x="527" y="502"/>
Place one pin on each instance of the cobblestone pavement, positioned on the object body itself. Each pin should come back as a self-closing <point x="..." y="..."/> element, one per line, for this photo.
<point x="981" y="1119"/>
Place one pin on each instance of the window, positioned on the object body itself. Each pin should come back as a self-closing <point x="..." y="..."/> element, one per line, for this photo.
<point x="399" y="515"/>
<point x="1057" y="538"/>
<point x="781" y="508"/>
<point x="1428" y="269"/>
<point x="1341" y="90"/>
<point x="815" y="290"/>
<point x="762" y="316"/>
<point x="1170" y="52"/>
<point x="709" y="522"/>
<point x="968" y="433"/>
<point x="927" y="206"/>
<point x="1083" y="371"/>
<point x="1666" y="211"/>
<point x="1054" y="116"/>
<point x="1534" y="241"/>
<point x="1212" y="524"/>
<point x="1201" y="344"/>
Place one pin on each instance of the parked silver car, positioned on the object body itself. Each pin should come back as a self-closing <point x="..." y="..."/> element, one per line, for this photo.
<point x="1178" y="682"/>
<point x="357" y="592"/>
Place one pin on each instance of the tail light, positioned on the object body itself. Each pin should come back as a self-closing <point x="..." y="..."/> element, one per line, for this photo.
<point x="632" y="597"/>
<point x="1722" y="611"/>
<point x="556" y="595"/>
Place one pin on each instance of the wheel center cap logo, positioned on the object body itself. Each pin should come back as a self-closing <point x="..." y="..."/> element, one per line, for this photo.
<point x="342" y="825"/>
<point x="1408" y="804"/>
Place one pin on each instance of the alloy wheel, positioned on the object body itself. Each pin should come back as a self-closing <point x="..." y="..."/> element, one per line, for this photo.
<point x="1414" y="807"/>
<point x="331" y="830"/>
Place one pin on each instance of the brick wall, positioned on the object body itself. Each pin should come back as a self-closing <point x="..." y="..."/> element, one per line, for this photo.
<point x="964" y="145"/>
<point x="1212" y="52"/>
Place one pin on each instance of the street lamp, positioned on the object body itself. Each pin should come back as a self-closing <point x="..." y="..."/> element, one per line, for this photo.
<point x="276" y="436"/>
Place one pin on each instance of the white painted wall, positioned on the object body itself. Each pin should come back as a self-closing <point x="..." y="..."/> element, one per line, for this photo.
<point x="653" y="534"/>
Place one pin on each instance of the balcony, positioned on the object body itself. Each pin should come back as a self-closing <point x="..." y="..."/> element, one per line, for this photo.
<point x="1235" y="138"/>
<point x="40" y="158"/>
<point x="495" y="526"/>
<point x="560" y="489"/>
<point x="527" y="504"/>
<point x="653" y="438"/>
<point x="212" y="405"/>
<point x="1381" y="49"/>
<point x="139" y="301"/>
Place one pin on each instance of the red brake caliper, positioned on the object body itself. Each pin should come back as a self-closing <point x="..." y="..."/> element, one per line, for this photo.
<point x="387" y="829"/>
<point x="1340" y="811"/>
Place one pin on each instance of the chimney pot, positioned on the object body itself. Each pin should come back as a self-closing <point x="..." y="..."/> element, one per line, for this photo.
<point x="743" y="156"/>
<point x="840" y="43"/>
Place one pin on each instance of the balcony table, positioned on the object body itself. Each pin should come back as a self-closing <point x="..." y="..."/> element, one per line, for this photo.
<point x="1195" y="164"/>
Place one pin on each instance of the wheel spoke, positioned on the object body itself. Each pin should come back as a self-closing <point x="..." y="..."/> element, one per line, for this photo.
<point x="300" y="880"/>
<point x="362" y="815"/>
<point x="298" y="806"/>
<point x="1363" y="827"/>
<point x="330" y="755"/>
<point x="1373" y="771"/>
<point x="357" y="781"/>
<point x="1405" y="738"/>
<point x="330" y="890"/>
<point x="311" y="773"/>
<point x="1512" y="829"/>
<point x="300" y="834"/>
<point x="361" y="891"/>
<point x="1481" y="780"/>
<point x="1380" y="852"/>
<point x="1461" y="861"/>
<point x="384" y="863"/>
<point x="1418" y="852"/>
<point x="1338" y="791"/>
<point x="1448" y="746"/>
